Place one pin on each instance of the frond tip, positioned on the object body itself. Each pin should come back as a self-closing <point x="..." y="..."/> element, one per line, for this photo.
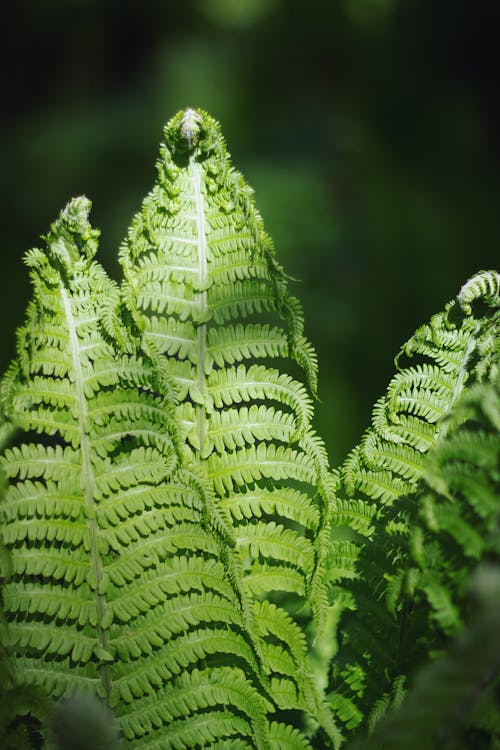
<point x="190" y="126"/>
<point x="71" y="237"/>
<point x="484" y="286"/>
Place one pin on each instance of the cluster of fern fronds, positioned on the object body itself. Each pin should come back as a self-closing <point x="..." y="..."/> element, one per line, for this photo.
<point x="176" y="545"/>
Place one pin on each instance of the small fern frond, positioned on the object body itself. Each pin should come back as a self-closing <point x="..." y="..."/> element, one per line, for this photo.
<point x="484" y="286"/>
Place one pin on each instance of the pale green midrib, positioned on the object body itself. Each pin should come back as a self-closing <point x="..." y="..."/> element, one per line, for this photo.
<point x="195" y="174"/>
<point x="88" y="475"/>
<point x="461" y="376"/>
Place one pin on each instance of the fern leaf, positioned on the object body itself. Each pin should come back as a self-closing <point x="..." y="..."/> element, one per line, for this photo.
<point x="285" y="502"/>
<point x="203" y="284"/>
<point x="404" y="581"/>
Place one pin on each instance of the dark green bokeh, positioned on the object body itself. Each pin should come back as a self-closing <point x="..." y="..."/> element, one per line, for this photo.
<point x="368" y="128"/>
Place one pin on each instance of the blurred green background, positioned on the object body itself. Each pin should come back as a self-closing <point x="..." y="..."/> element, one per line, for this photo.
<point x="369" y="130"/>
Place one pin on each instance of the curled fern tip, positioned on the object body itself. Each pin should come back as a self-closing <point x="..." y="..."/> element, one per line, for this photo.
<point x="71" y="237"/>
<point x="192" y="131"/>
<point x="190" y="126"/>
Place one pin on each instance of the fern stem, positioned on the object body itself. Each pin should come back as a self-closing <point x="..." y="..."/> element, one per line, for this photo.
<point x="88" y="477"/>
<point x="462" y="374"/>
<point x="194" y="170"/>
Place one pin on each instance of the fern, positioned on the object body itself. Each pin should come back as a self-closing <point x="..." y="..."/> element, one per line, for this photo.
<point x="448" y="693"/>
<point x="203" y="284"/>
<point x="124" y="583"/>
<point x="400" y="585"/>
<point x="178" y="548"/>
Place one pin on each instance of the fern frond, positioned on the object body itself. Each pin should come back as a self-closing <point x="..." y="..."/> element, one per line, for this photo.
<point x="203" y="284"/>
<point x="400" y="596"/>
<point x="484" y="286"/>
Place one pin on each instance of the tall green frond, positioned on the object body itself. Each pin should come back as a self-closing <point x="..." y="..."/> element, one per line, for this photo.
<point x="203" y="284"/>
<point x="403" y="586"/>
<point x="126" y="583"/>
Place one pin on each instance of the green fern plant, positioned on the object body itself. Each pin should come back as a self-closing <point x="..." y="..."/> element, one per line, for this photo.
<point x="125" y="583"/>
<point x="453" y="524"/>
<point x="203" y="284"/>
<point x="396" y="589"/>
<point x="179" y="547"/>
